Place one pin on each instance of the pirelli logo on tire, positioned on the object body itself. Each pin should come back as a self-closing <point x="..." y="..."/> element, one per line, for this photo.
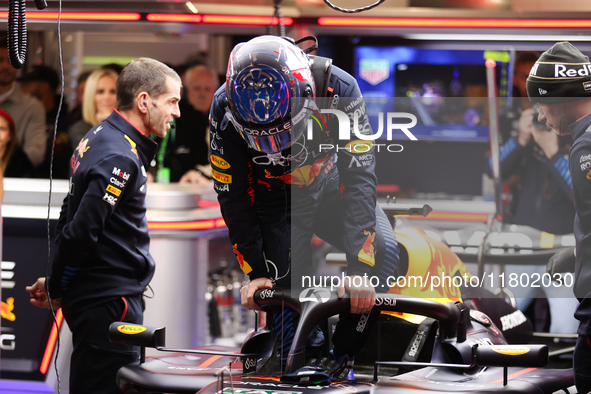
<point x="221" y="177"/>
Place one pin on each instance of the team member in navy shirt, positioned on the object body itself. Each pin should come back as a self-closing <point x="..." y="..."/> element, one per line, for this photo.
<point x="102" y="263"/>
<point x="560" y="82"/>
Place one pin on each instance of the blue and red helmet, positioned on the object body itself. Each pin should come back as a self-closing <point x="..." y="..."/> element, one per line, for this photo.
<point x="269" y="86"/>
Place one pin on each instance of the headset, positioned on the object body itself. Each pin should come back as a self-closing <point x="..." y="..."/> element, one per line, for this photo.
<point x="147" y="109"/>
<point x="172" y="126"/>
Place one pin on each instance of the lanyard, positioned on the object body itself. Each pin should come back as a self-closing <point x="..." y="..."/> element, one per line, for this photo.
<point x="163" y="173"/>
<point x="164" y="144"/>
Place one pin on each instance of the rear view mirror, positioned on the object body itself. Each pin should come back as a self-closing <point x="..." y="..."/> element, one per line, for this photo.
<point x="137" y="335"/>
<point x="511" y="356"/>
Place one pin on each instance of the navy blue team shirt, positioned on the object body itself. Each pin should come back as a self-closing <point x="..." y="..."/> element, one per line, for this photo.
<point x="102" y="241"/>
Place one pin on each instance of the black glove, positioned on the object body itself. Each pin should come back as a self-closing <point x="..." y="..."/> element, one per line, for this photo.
<point x="563" y="261"/>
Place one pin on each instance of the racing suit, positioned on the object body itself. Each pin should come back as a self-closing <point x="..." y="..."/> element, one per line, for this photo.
<point x="102" y="263"/>
<point x="274" y="204"/>
<point x="580" y="169"/>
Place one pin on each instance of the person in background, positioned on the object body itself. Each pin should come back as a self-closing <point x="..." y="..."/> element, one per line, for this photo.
<point x="102" y="263"/>
<point x="42" y="82"/>
<point x="76" y="113"/>
<point x="181" y="70"/>
<point x="540" y="196"/>
<point x="201" y="83"/>
<point x="7" y="139"/>
<point x="14" y="163"/>
<point x="26" y="111"/>
<point x="184" y="152"/>
<point x="534" y="162"/>
<point x="99" y="101"/>
<point x="113" y="66"/>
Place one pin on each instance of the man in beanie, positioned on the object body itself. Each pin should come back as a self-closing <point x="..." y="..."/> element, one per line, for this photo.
<point x="560" y="82"/>
<point x="534" y="164"/>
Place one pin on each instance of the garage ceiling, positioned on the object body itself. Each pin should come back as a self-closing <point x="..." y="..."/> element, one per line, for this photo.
<point x="315" y="8"/>
<point x="307" y="12"/>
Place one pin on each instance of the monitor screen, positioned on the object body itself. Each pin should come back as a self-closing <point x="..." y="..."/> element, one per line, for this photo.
<point x="445" y="89"/>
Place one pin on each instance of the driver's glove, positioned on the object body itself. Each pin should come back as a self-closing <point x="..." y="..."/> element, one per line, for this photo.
<point x="563" y="261"/>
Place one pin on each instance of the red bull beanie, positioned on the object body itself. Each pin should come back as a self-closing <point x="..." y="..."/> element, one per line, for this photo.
<point x="561" y="74"/>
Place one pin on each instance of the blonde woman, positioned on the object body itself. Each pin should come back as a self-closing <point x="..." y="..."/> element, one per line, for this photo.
<point x="99" y="101"/>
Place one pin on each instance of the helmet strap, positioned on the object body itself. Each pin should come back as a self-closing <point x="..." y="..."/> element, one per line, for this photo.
<point x="311" y="48"/>
<point x="321" y="70"/>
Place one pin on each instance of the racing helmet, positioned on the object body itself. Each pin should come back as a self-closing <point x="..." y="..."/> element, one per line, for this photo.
<point x="269" y="86"/>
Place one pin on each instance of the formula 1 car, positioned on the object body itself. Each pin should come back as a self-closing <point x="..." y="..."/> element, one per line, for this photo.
<point x="468" y="354"/>
<point x="452" y="344"/>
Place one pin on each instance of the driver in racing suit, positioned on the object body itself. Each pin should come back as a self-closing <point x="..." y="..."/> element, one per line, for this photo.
<point x="279" y="183"/>
<point x="560" y="82"/>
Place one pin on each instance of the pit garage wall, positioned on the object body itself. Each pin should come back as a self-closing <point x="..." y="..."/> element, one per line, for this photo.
<point x="185" y="224"/>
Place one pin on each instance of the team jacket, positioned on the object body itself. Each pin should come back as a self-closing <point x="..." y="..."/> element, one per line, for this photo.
<point x="545" y="199"/>
<point x="580" y="168"/>
<point x="247" y="180"/>
<point x="102" y="242"/>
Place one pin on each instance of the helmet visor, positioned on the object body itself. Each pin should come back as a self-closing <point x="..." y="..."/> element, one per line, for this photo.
<point x="278" y="138"/>
<point x="260" y="95"/>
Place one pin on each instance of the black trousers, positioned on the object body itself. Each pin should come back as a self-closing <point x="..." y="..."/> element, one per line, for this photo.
<point x="95" y="361"/>
<point x="582" y="364"/>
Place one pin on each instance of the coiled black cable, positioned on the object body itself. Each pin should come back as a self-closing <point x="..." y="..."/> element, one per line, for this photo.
<point x="354" y="10"/>
<point x="17" y="52"/>
<point x="57" y="117"/>
<point x="17" y="33"/>
<point x="279" y="16"/>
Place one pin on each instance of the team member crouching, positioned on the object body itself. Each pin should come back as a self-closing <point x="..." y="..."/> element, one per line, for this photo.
<point x="277" y="189"/>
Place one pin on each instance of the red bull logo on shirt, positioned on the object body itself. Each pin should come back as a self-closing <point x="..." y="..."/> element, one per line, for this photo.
<point x="303" y="176"/>
<point x="240" y="257"/>
<point x="6" y="309"/>
<point x="359" y="146"/>
<point x="82" y="147"/>
<point x="285" y="178"/>
<point x="133" y="145"/>
<point x="367" y="253"/>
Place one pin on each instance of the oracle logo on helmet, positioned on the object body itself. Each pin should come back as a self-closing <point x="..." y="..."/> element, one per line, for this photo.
<point x="269" y="131"/>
